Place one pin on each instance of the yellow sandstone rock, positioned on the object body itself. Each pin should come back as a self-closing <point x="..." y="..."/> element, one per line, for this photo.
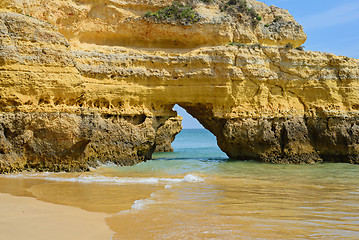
<point x="88" y="81"/>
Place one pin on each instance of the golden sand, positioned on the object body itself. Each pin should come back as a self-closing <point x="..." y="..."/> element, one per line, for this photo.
<point x="28" y="218"/>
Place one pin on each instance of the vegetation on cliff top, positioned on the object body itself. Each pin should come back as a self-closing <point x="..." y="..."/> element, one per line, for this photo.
<point x="184" y="13"/>
<point x="234" y="7"/>
<point x="288" y="46"/>
<point x="176" y="12"/>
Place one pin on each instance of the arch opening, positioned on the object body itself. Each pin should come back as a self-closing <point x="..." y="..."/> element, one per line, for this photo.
<point x="194" y="141"/>
<point x="188" y="122"/>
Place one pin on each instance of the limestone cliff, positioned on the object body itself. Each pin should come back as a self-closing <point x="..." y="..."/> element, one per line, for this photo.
<point x="166" y="134"/>
<point x="87" y="81"/>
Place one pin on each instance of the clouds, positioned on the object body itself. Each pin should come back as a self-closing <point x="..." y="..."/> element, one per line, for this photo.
<point x="338" y="15"/>
<point x="331" y="26"/>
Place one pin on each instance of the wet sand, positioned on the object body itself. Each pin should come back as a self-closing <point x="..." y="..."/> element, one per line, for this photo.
<point x="184" y="199"/>
<point x="28" y="218"/>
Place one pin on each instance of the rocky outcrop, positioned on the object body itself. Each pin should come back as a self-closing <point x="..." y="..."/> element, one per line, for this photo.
<point x="72" y="142"/>
<point x="166" y="134"/>
<point x="121" y="23"/>
<point x="51" y="120"/>
<point x="83" y="81"/>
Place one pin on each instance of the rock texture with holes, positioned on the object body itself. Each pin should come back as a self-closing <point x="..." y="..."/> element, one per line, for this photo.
<point x="84" y="82"/>
<point x="166" y="134"/>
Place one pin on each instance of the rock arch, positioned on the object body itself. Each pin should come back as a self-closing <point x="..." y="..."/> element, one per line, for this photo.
<point x="66" y="104"/>
<point x="291" y="139"/>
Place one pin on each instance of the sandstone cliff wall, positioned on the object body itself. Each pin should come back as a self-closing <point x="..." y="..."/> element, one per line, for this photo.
<point x="88" y="81"/>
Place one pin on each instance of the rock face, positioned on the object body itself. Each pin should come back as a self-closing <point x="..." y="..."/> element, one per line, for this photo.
<point x="166" y="134"/>
<point x="84" y="82"/>
<point x="55" y="119"/>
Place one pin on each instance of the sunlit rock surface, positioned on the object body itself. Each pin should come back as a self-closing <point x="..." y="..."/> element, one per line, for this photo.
<point x="84" y="82"/>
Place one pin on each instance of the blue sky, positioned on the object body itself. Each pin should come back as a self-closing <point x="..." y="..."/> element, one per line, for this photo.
<point x="188" y="121"/>
<point x="331" y="26"/>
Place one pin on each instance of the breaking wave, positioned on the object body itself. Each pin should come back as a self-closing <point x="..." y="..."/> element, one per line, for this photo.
<point x="109" y="180"/>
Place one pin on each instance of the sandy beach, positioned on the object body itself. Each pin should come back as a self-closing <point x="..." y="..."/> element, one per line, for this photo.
<point x="31" y="219"/>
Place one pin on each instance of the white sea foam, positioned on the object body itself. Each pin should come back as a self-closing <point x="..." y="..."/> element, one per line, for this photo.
<point x="27" y="175"/>
<point x="192" y="178"/>
<point x="123" y="212"/>
<point x="108" y="180"/>
<point x="140" y="204"/>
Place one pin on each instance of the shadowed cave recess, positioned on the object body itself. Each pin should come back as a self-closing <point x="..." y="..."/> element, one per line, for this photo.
<point x="76" y="92"/>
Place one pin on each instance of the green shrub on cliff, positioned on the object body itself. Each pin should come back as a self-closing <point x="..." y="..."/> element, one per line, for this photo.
<point x="300" y="48"/>
<point x="176" y="12"/>
<point x="289" y="46"/>
<point x="240" y="6"/>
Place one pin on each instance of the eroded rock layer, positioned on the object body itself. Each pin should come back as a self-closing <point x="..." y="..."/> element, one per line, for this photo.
<point x="84" y="82"/>
<point x="166" y="134"/>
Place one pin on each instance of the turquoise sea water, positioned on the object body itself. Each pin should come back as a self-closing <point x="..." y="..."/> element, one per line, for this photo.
<point x="226" y="199"/>
<point x="196" y="192"/>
